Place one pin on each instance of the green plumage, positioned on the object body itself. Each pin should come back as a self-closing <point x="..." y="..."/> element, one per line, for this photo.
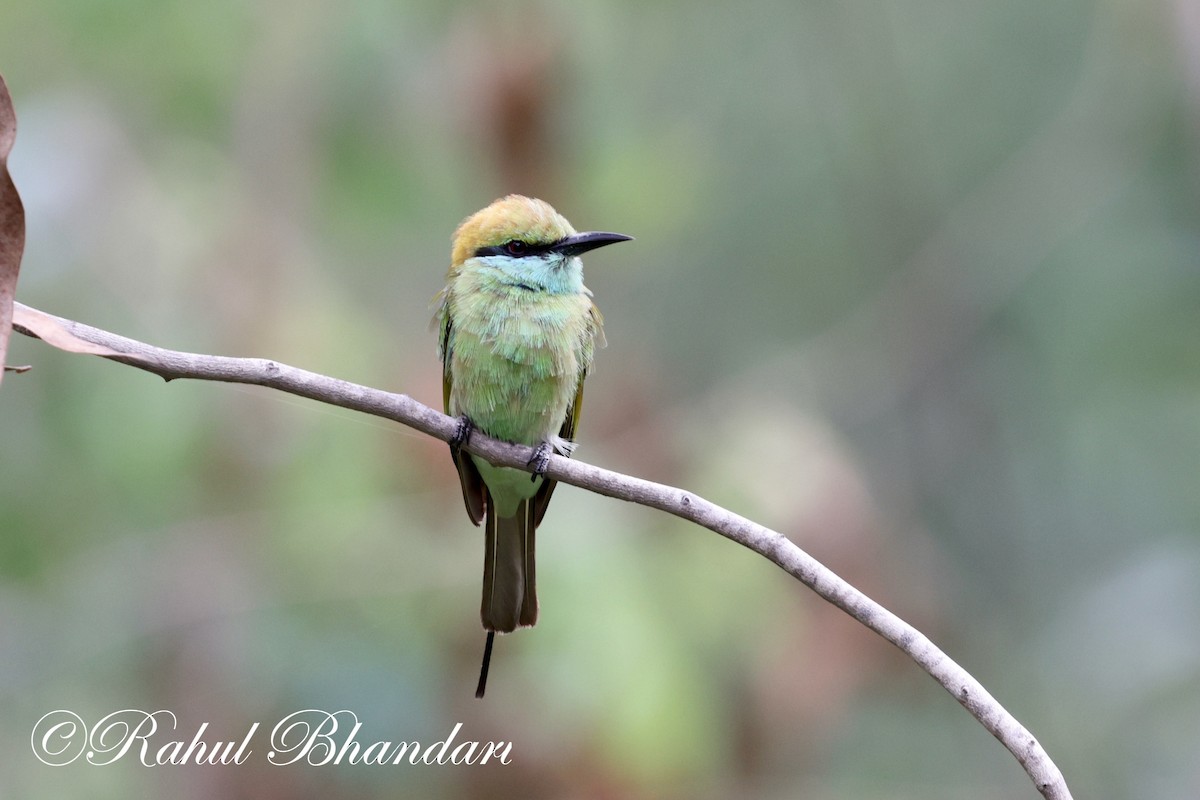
<point x="518" y="330"/>
<point x="514" y="368"/>
<point x="517" y="335"/>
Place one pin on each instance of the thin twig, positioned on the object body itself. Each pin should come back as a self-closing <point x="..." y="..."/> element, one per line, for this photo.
<point x="170" y="365"/>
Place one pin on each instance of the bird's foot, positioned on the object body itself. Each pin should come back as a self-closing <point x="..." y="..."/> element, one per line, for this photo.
<point x="461" y="433"/>
<point x="540" y="460"/>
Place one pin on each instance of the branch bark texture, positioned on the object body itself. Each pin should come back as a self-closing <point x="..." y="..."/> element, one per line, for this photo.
<point x="170" y="365"/>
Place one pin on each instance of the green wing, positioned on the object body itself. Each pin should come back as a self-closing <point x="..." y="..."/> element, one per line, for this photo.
<point x="542" y="499"/>
<point x="567" y="431"/>
<point x="473" y="488"/>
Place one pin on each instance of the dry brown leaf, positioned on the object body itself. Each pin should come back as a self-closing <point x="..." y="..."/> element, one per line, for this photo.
<point x="52" y="332"/>
<point x="12" y="223"/>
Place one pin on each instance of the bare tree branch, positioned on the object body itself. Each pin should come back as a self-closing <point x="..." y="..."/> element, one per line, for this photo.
<point x="170" y="364"/>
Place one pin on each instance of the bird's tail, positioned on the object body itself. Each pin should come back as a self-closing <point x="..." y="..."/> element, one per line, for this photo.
<point x="509" y="581"/>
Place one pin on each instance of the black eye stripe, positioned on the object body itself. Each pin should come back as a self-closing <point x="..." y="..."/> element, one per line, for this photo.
<point x="525" y="249"/>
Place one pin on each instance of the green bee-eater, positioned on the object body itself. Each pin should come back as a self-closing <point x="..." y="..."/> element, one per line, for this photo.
<point x="517" y="332"/>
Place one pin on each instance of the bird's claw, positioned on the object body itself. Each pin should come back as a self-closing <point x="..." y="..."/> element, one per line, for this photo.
<point x="540" y="461"/>
<point x="461" y="433"/>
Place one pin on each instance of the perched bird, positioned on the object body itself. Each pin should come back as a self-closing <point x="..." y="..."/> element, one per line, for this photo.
<point x="517" y="332"/>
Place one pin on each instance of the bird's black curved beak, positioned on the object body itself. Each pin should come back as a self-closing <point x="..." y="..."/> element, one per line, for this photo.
<point x="582" y="242"/>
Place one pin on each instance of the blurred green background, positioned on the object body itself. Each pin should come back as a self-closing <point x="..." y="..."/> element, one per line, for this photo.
<point x="914" y="283"/>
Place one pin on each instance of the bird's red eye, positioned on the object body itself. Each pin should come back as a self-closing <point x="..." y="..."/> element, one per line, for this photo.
<point x="515" y="247"/>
